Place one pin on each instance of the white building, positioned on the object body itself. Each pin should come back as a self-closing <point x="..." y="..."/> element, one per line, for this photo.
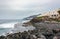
<point x="51" y="14"/>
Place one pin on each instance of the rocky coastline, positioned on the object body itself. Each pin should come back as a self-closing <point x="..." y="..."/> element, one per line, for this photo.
<point x="40" y="32"/>
<point x="33" y="34"/>
<point x="45" y="28"/>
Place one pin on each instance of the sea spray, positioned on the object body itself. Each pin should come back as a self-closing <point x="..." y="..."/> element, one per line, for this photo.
<point x="19" y="28"/>
<point x="16" y="29"/>
<point x="22" y="29"/>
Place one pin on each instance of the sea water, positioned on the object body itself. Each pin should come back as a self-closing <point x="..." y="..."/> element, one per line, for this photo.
<point x="7" y="26"/>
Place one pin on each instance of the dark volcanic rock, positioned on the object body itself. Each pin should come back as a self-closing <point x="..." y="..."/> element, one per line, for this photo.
<point x="2" y="37"/>
<point x="32" y="34"/>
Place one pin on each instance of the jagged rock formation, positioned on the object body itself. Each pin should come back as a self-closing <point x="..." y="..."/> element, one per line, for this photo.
<point x="34" y="34"/>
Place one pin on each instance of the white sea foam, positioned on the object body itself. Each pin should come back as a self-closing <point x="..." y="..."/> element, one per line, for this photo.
<point x="22" y="29"/>
<point x="7" y="25"/>
<point x="15" y="29"/>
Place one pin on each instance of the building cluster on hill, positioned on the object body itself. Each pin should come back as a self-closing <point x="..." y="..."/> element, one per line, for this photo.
<point x="52" y="14"/>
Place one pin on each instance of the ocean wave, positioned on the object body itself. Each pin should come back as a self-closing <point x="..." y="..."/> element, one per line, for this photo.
<point x="11" y="28"/>
<point x="7" y="25"/>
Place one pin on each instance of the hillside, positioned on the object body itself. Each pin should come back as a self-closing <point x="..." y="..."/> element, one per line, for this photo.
<point x="51" y="16"/>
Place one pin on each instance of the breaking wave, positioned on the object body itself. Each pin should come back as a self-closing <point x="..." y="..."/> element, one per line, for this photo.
<point x="7" y="25"/>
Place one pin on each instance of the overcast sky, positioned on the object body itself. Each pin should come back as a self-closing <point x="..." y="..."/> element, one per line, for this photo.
<point x="18" y="9"/>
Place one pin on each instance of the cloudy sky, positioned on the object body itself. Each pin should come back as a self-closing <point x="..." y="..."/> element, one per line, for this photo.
<point x="18" y="9"/>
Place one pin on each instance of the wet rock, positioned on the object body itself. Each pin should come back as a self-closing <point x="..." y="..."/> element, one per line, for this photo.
<point x="48" y="34"/>
<point x="57" y="36"/>
<point x="32" y="34"/>
<point x="2" y="37"/>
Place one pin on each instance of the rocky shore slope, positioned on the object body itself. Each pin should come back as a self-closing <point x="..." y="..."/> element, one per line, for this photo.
<point x="33" y="34"/>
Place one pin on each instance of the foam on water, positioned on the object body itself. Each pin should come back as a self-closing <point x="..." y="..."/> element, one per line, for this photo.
<point x="7" y="25"/>
<point x="10" y="28"/>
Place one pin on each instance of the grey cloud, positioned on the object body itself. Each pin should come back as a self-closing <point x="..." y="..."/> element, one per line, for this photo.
<point x="32" y="8"/>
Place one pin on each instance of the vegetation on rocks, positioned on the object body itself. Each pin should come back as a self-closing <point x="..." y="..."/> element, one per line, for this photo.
<point x="44" y="18"/>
